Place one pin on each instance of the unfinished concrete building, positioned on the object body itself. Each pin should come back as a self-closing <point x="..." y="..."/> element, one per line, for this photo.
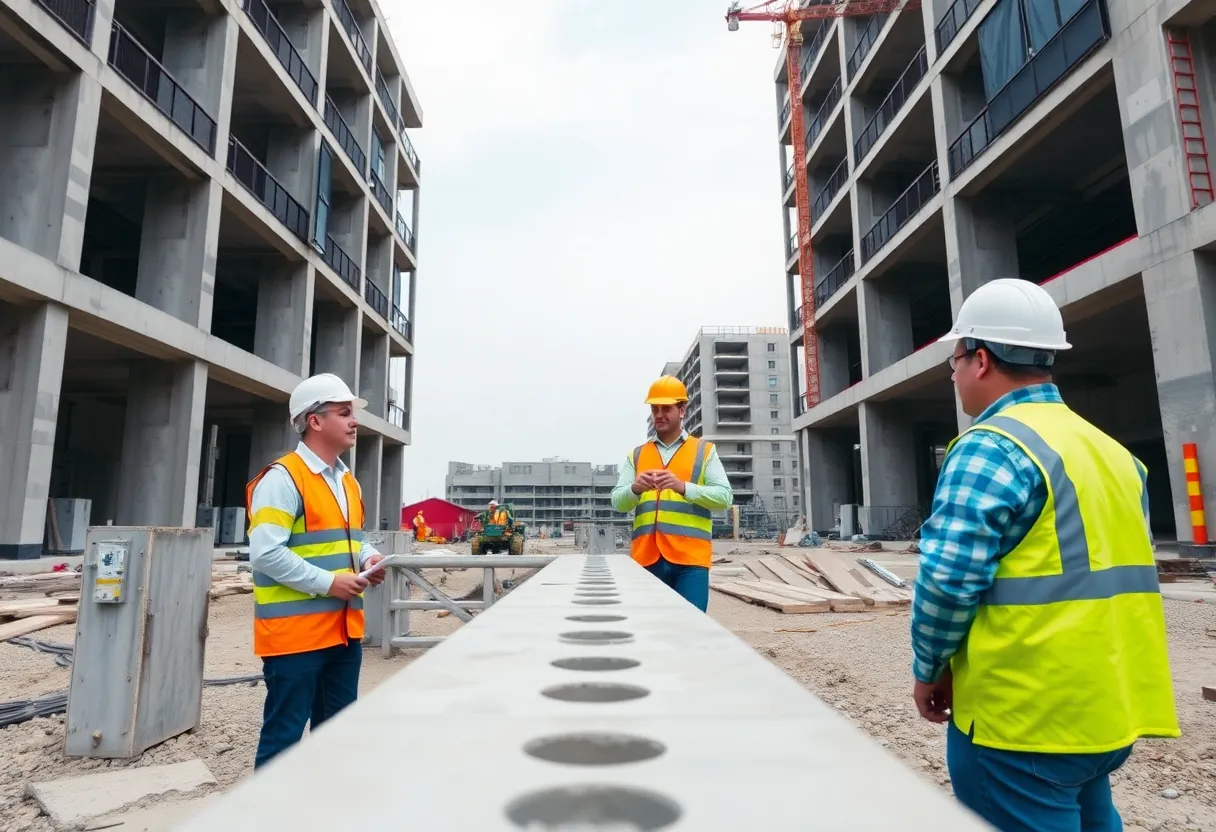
<point x="201" y="202"/>
<point x="965" y="141"/>
<point x="547" y="494"/>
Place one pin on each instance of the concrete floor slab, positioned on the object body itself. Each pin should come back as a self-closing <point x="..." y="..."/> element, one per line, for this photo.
<point x="161" y="817"/>
<point x="75" y="799"/>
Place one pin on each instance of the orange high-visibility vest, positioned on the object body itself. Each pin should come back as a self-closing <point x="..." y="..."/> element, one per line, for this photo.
<point x="286" y="620"/>
<point x="665" y="524"/>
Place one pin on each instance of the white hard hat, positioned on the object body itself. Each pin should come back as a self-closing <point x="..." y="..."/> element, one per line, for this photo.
<point x="493" y="502"/>
<point x="1013" y="312"/>
<point x="321" y="389"/>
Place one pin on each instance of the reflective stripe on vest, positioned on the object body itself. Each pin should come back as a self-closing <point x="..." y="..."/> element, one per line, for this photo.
<point x="666" y="524"/>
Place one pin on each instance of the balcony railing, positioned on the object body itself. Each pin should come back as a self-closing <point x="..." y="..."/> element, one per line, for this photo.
<point x="283" y="48"/>
<point x="836" y="277"/>
<point x="821" y="117"/>
<point x="347" y="18"/>
<point x="387" y="100"/>
<point x="901" y="90"/>
<point x="796" y="318"/>
<point x="906" y="206"/>
<point x="788" y="181"/>
<point x="135" y="63"/>
<point x="380" y="192"/>
<point x="813" y="48"/>
<point x="864" y="42"/>
<point x="791" y="246"/>
<point x="948" y="27"/>
<point x="399" y="322"/>
<point x="341" y="263"/>
<point x="76" y="16"/>
<point x="1084" y="32"/>
<point x="346" y="139"/>
<point x="396" y="416"/>
<point x="830" y="189"/>
<point x="404" y="232"/>
<point x="408" y="146"/>
<point x="375" y="298"/>
<point x="253" y="175"/>
<point x="785" y="114"/>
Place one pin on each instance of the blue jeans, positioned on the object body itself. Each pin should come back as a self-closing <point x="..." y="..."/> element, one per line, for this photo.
<point x="305" y="689"/>
<point x="691" y="582"/>
<point x="1019" y="791"/>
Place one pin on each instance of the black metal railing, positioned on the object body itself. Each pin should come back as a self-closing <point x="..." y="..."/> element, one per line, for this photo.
<point x="404" y="232"/>
<point x="347" y="18"/>
<point x="400" y="322"/>
<point x="341" y="263"/>
<point x="375" y="298"/>
<point x="251" y="173"/>
<point x="830" y="189"/>
<point x="952" y="21"/>
<point x="77" y="17"/>
<point x="792" y="246"/>
<point x="386" y="98"/>
<point x="836" y="277"/>
<point x="901" y="90"/>
<point x="785" y="114"/>
<point x="136" y="64"/>
<point x="396" y="416"/>
<point x="408" y="146"/>
<point x="905" y="207"/>
<point x="813" y="48"/>
<point x="346" y="139"/>
<point x="800" y="404"/>
<point x="821" y="117"/>
<point x="1084" y="32"/>
<point x="864" y="42"/>
<point x="282" y="47"/>
<point x="788" y="180"/>
<point x="380" y="192"/>
<point x="795" y="322"/>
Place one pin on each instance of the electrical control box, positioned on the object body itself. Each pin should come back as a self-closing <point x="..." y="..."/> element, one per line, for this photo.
<point x="107" y="567"/>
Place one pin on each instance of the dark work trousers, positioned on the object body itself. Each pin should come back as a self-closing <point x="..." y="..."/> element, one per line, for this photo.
<point x="691" y="582"/>
<point x="305" y="689"/>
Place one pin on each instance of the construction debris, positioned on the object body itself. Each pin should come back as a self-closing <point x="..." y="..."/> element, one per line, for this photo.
<point x="1209" y="693"/>
<point x="1172" y="569"/>
<point x="885" y="574"/>
<point x="74" y="800"/>
<point x="814" y="581"/>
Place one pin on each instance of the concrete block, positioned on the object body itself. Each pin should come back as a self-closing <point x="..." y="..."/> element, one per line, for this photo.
<point x="74" y="799"/>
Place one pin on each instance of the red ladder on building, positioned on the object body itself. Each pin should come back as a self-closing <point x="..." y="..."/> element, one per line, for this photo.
<point x="1194" y="146"/>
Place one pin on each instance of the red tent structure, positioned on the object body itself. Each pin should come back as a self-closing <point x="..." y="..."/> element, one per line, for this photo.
<point x="445" y="519"/>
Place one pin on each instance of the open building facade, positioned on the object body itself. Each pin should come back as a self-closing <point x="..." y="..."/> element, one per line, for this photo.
<point x="964" y="141"/>
<point x="201" y="202"/>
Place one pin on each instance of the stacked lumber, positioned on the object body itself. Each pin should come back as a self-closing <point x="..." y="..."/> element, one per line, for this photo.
<point x="816" y="580"/>
<point x="228" y="583"/>
<point x="23" y="616"/>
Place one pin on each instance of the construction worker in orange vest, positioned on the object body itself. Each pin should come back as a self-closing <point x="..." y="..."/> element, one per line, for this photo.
<point x="421" y="532"/>
<point x="306" y="548"/>
<point x="673" y="484"/>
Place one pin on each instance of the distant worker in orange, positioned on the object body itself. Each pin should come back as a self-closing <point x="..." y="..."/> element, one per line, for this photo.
<point x="421" y="531"/>
<point x="673" y="484"/>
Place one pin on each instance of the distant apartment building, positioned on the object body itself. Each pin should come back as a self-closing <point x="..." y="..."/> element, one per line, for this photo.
<point x="739" y="398"/>
<point x="543" y="494"/>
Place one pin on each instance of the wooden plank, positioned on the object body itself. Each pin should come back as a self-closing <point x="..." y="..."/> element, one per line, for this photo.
<point x="850" y="578"/>
<point x="763" y="573"/>
<point x="10" y="609"/>
<point x="837" y="601"/>
<point x="803" y="568"/>
<point x="48" y="609"/>
<point x="744" y="592"/>
<point x="32" y="625"/>
<point x="787" y="574"/>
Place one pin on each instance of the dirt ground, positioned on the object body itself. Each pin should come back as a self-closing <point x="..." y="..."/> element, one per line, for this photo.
<point x="859" y="663"/>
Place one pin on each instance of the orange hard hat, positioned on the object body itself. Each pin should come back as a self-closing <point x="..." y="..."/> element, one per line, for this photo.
<point x="667" y="390"/>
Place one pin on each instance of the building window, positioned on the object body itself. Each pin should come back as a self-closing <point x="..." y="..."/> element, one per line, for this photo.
<point x="520" y="469"/>
<point x="795" y="482"/>
<point x="772" y="365"/>
<point x="320" y="227"/>
<point x="772" y="381"/>
<point x="796" y="500"/>
<point x="774" y="431"/>
<point x="774" y="415"/>
<point x="741" y="448"/>
<point x="776" y="446"/>
<point x="779" y="501"/>
<point x="378" y="155"/>
<point x="776" y="465"/>
<point x="777" y="482"/>
<point x="772" y="398"/>
<point x="772" y="346"/>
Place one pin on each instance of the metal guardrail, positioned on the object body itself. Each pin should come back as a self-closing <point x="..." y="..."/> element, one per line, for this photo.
<point x="386" y="99"/>
<point x="952" y="21"/>
<point x="792" y="245"/>
<point x="830" y="189"/>
<point x="404" y="232"/>
<point x="347" y="18"/>
<point x="788" y="181"/>
<point x="77" y="17"/>
<point x="865" y="41"/>
<point x="340" y="262"/>
<point x="901" y="90"/>
<point x="795" y="322"/>
<point x="380" y="192"/>
<point x="251" y="173"/>
<point x="814" y="48"/>
<point x="408" y="147"/>
<point x="905" y="207"/>
<point x="400" y="322"/>
<point x="282" y="47"/>
<point x="376" y="298"/>
<point x="836" y="277"/>
<point x="346" y="139"/>
<point x="396" y="416"/>
<point x="146" y="74"/>
<point x="785" y="115"/>
<point x="1077" y="39"/>
<point x="822" y="115"/>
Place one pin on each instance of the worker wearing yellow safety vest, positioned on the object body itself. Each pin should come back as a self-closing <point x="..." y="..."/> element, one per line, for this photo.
<point x="672" y="485"/>
<point x="306" y="548"/>
<point x="1038" y="630"/>
<point x="421" y="531"/>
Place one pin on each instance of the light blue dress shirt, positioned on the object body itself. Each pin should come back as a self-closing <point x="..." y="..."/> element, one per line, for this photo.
<point x="716" y="494"/>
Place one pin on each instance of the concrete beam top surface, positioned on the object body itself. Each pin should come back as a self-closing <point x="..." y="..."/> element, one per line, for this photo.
<point x="670" y="740"/>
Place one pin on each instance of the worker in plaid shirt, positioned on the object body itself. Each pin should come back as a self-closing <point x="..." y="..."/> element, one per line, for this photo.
<point x="1038" y="630"/>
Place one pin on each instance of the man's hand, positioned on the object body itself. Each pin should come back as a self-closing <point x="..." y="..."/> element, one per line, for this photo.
<point x="377" y="577"/>
<point x="935" y="699"/>
<point x="666" y="479"/>
<point x="346" y="586"/>
<point x="643" y="483"/>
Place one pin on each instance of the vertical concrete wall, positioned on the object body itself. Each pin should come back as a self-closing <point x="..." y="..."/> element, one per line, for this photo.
<point x="981" y="245"/>
<point x="32" y="344"/>
<point x="338" y="336"/>
<point x="367" y="472"/>
<point x="283" y="331"/>
<point x="828" y="460"/>
<point x="178" y="245"/>
<point x="373" y="372"/>
<point x="888" y="455"/>
<point x="291" y="158"/>
<point x="272" y="436"/>
<point x="392" y="473"/>
<point x="886" y="324"/>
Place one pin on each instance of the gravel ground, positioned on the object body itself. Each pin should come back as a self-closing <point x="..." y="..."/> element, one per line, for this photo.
<point x="874" y="693"/>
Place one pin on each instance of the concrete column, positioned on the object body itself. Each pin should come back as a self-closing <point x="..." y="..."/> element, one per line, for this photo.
<point x="32" y="344"/>
<point x="272" y="436"/>
<point x="1181" y="298"/>
<point x="367" y="472"/>
<point x="1149" y="114"/>
<point x="307" y="29"/>
<point x="886" y="324"/>
<point x="46" y="161"/>
<point x="981" y="245"/>
<point x="416" y="218"/>
<point x="200" y="54"/>
<point x="888" y="455"/>
<point x="283" y="330"/>
<point x="338" y="336"/>
<point x="348" y="227"/>
<point x="392" y="470"/>
<point x="833" y="361"/>
<point x="291" y="158"/>
<point x="828" y="460"/>
<point x="373" y="372"/>
<point x="162" y="443"/>
<point x="178" y="247"/>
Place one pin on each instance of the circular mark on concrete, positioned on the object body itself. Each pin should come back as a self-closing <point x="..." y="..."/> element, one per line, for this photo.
<point x="596" y="582"/>
<point x="593" y="807"/>
<point x="596" y="663"/>
<point x="595" y="692"/>
<point x="595" y="619"/>
<point x="593" y="749"/>
<point x="597" y="636"/>
<point x="596" y="601"/>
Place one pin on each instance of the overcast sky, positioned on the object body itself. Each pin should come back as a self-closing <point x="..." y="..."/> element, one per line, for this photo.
<point x="587" y="166"/>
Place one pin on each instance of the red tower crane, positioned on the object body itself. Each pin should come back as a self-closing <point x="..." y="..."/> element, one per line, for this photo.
<point x="788" y="15"/>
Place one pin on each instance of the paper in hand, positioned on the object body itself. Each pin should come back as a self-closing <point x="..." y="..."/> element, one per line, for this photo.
<point x="371" y="570"/>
